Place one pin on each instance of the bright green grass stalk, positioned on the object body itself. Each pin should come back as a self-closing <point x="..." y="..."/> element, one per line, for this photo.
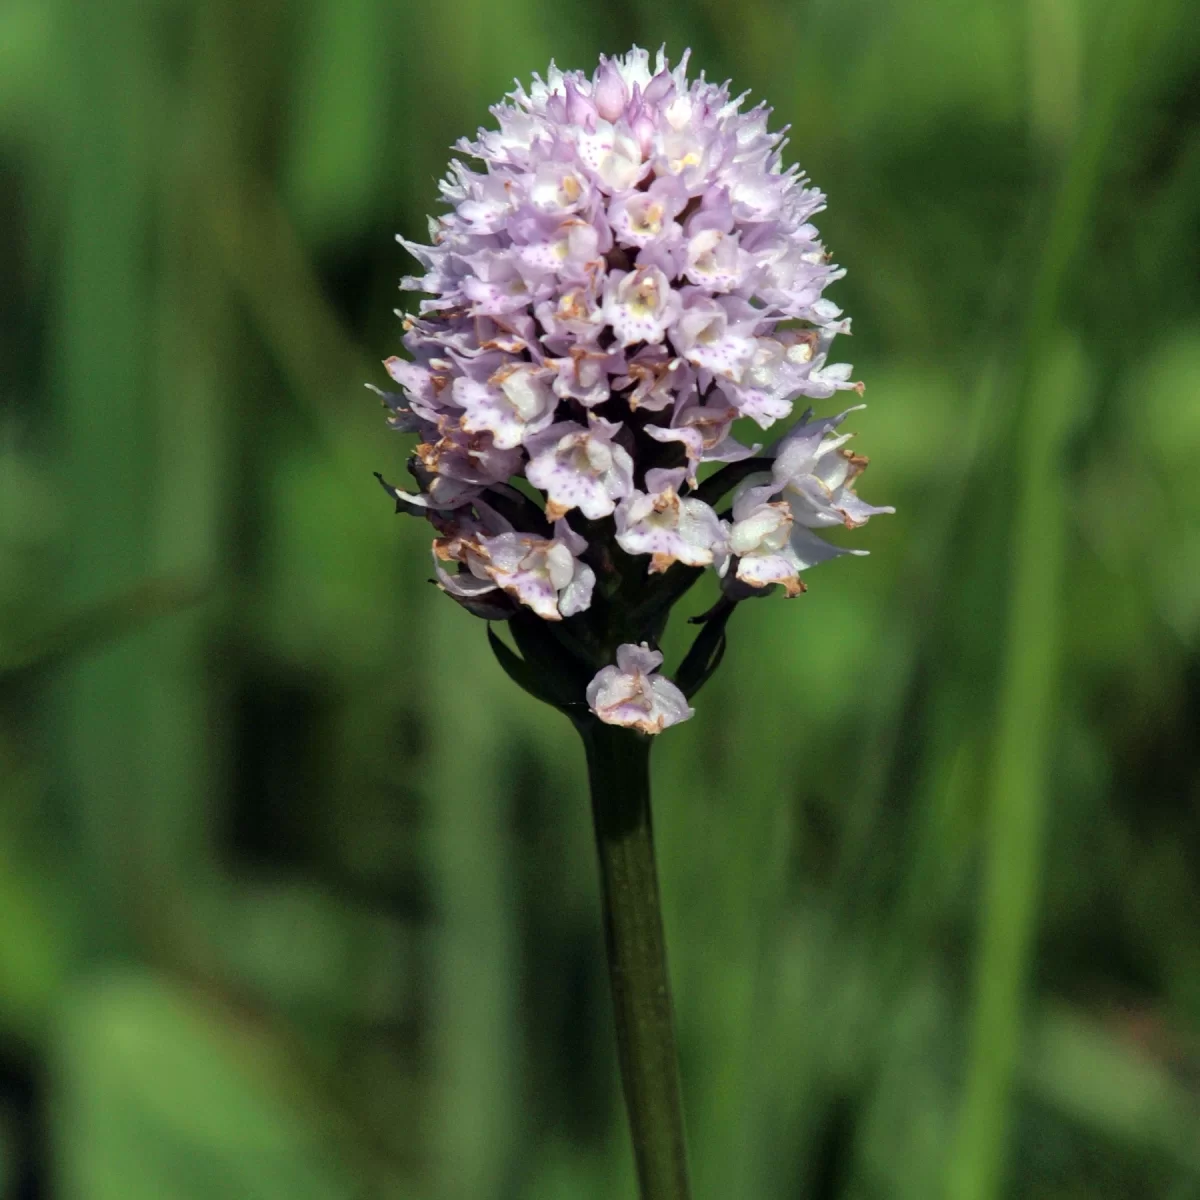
<point x="1018" y="795"/>
<point x="107" y="473"/>
<point x="474" y="985"/>
<point x="1026" y="714"/>
<point x="192" y="334"/>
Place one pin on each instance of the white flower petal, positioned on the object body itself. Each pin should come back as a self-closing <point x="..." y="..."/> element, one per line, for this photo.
<point x="633" y="695"/>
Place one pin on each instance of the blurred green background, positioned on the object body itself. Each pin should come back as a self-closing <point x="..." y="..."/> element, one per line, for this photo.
<point x="297" y="895"/>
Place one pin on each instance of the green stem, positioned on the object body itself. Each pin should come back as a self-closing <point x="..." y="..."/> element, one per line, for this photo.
<point x="619" y="774"/>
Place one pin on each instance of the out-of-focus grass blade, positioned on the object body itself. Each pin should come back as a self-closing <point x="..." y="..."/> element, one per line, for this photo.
<point x="474" y="986"/>
<point x="1113" y="1086"/>
<point x="1026" y="715"/>
<point x="339" y="132"/>
<point x="162" y="1095"/>
<point x="108" y="82"/>
<point x="35" y="941"/>
<point x="1018" y="785"/>
<point x="99" y="624"/>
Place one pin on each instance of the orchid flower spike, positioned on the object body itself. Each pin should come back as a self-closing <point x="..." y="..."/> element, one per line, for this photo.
<point x="624" y="270"/>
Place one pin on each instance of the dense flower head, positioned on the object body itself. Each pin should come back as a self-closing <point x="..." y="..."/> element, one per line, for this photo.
<point x="625" y="270"/>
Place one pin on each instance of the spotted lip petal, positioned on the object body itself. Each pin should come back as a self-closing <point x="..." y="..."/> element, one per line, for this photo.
<point x="541" y="573"/>
<point x="670" y="529"/>
<point x="759" y="542"/>
<point x="631" y="692"/>
<point x="580" y="467"/>
<point x="814" y="472"/>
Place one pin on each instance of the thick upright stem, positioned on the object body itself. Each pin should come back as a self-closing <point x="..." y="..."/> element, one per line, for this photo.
<point x="619" y="774"/>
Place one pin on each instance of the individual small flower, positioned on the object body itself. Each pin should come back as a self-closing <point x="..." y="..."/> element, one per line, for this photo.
<point x="584" y="374"/>
<point x="580" y="467"/>
<point x="612" y="156"/>
<point x="772" y="378"/>
<point x="689" y="153"/>
<point x="497" y="286"/>
<point x="640" y="305"/>
<point x="558" y="187"/>
<point x="422" y="385"/>
<point x="643" y="218"/>
<point x="657" y="522"/>
<point x="541" y="573"/>
<point x="657" y="379"/>
<point x="632" y="694"/>
<point x="458" y="466"/>
<point x="572" y="318"/>
<point x="609" y="91"/>
<point x="546" y="247"/>
<point x="714" y="261"/>
<point x="815" y="473"/>
<point x="717" y="334"/>
<point x="513" y="403"/>
<point x="703" y="431"/>
<point x="759" y="542"/>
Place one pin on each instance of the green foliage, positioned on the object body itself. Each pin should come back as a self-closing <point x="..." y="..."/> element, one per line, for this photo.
<point x="297" y="891"/>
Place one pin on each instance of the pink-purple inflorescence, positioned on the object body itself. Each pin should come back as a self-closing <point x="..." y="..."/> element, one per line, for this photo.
<point x="628" y="271"/>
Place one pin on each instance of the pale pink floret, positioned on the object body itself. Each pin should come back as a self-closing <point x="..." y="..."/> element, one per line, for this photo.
<point x="580" y="468"/>
<point x="515" y="402"/>
<point x="559" y="187"/>
<point x="714" y="260"/>
<point x="759" y="541"/>
<point x="541" y="573"/>
<point x="572" y="316"/>
<point x="657" y="522"/>
<point x="657" y="379"/>
<point x="765" y="391"/>
<point x="703" y="431"/>
<point x="457" y="466"/>
<point x="716" y="334"/>
<point x="633" y="695"/>
<point x="612" y="156"/>
<point x="641" y="218"/>
<point x="640" y="305"/>
<point x="584" y="374"/>
<point x="815" y="472"/>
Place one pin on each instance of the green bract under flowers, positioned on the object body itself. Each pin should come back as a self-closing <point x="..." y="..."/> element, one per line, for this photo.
<point x="626" y="271"/>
